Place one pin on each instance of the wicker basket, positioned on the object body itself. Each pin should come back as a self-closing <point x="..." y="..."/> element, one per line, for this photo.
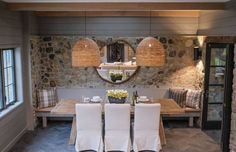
<point x="116" y="100"/>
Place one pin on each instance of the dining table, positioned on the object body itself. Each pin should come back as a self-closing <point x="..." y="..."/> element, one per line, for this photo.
<point x="67" y="107"/>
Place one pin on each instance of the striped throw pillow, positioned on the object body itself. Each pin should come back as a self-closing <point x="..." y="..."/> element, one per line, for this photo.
<point x="179" y="95"/>
<point x="47" y="98"/>
<point x="193" y="99"/>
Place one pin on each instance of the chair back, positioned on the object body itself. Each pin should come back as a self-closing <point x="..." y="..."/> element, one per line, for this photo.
<point x="147" y="117"/>
<point x="88" y="117"/>
<point x="117" y="116"/>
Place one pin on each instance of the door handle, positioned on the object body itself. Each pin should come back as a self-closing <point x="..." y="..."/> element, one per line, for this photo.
<point x="224" y="104"/>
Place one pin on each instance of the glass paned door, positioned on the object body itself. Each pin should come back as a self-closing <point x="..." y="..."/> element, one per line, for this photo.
<point x="1" y="83"/>
<point x="216" y="73"/>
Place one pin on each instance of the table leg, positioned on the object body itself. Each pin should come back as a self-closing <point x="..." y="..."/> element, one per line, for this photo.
<point x="162" y="133"/>
<point x="44" y="122"/>
<point x="191" y="120"/>
<point x="73" y="132"/>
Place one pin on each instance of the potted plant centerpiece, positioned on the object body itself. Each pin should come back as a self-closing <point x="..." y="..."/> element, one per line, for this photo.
<point x="117" y="96"/>
<point x="116" y="76"/>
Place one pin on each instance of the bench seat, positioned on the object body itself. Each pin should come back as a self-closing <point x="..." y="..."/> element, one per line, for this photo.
<point x="190" y="113"/>
<point x="187" y="109"/>
<point x="45" y="113"/>
<point x="48" y="109"/>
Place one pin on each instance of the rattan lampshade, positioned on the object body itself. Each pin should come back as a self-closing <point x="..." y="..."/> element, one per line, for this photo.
<point x="85" y="53"/>
<point x="150" y="52"/>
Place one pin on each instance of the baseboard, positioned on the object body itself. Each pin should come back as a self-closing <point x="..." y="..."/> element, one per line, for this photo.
<point x="13" y="142"/>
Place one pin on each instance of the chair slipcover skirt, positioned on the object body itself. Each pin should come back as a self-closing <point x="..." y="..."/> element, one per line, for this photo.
<point x="146" y="127"/>
<point x="89" y="127"/>
<point x="117" y="127"/>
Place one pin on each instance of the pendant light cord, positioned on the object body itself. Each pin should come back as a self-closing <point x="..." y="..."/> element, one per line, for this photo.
<point x="150" y="26"/>
<point x="85" y="23"/>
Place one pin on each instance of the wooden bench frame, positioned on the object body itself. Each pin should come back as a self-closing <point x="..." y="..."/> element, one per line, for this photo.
<point x="189" y="115"/>
<point x="46" y="115"/>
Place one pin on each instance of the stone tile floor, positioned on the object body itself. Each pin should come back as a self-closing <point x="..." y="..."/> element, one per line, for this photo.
<point x="55" y="139"/>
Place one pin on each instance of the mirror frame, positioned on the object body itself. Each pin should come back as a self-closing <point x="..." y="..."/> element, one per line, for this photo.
<point x="136" y="71"/>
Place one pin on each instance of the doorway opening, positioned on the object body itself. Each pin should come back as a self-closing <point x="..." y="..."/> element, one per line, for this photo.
<point x="217" y="98"/>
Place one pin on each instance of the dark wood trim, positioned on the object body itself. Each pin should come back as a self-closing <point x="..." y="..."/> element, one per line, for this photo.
<point x="1" y="83"/>
<point x="206" y="82"/>
<point x="113" y="6"/>
<point x="119" y="13"/>
<point x="220" y="39"/>
<point x="226" y="124"/>
<point x="205" y="123"/>
<point x="14" y="75"/>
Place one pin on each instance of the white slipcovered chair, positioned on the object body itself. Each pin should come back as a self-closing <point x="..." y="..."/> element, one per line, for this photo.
<point x="117" y="127"/>
<point x="89" y="127"/>
<point x="146" y="127"/>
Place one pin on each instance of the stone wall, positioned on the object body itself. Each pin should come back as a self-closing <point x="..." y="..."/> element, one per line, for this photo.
<point x="233" y="116"/>
<point x="51" y="65"/>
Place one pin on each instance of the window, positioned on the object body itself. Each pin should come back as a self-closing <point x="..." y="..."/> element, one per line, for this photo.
<point x="7" y="78"/>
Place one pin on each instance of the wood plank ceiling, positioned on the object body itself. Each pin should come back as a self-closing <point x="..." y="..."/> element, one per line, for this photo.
<point x="119" y="13"/>
<point x="102" y="9"/>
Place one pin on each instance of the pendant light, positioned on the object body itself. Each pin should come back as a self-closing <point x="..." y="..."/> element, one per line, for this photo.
<point x="85" y="52"/>
<point x="150" y="52"/>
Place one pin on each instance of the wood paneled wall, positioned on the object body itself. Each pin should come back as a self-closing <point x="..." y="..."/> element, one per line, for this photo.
<point x="10" y="26"/>
<point x="117" y="26"/>
<point x="11" y="35"/>
<point x="111" y="6"/>
<point x="219" y="22"/>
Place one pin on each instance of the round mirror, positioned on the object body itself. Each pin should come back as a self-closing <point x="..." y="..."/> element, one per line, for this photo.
<point x="118" y="62"/>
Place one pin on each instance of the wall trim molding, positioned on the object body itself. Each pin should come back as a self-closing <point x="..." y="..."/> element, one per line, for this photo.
<point x="113" y="6"/>
<point x="15" y="140"/>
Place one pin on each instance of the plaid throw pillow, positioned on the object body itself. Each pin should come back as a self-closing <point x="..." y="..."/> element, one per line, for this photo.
<point x="193" y="99"/>
<point x="47" y="98"/>
<point x="179" y="95"/>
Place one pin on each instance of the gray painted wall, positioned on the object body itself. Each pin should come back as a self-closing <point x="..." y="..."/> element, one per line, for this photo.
<point x="30" y="27"/>
<point x="117" y="26"/>
<point x="32" y="23"/>
<point x="219" y="22"/>
<point x="11" y="35"/>
<point x="10" y="27"/>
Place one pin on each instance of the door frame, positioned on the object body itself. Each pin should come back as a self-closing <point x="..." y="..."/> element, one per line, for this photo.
<point x="227" y="110"/>
<point x="226" y="120"/>
<point x="212" y="124"/>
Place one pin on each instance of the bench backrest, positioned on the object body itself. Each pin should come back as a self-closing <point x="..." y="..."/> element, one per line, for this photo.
<point x="78" y="93"/>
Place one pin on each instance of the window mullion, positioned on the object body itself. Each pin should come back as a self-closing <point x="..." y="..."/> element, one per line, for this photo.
<point x="14" y="75"/>
<point x="2" y="77"/>
<point x="1" y="82"/>
<point x="8" y="92"/>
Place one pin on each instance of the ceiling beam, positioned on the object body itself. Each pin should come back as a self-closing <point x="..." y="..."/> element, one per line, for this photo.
<point x="113" y="6"/>
<point x="120" y="13"/>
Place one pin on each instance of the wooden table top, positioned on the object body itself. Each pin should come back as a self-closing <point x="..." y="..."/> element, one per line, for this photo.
<point x="168" y="106"/>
